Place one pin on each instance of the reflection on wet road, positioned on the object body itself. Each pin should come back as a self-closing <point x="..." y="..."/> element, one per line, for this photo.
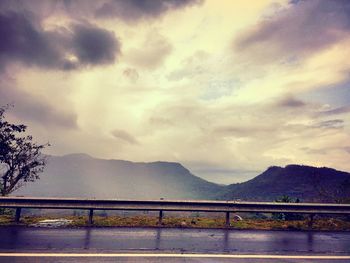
<point x="173" y="240"/>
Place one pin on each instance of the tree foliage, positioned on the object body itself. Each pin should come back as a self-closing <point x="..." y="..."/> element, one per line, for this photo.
<point x="21" y="160"/>
<point x="287" y="216"/>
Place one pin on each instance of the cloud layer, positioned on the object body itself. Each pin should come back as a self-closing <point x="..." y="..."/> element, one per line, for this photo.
<point x="24" y="40"/>
<point x="298" y="30"/>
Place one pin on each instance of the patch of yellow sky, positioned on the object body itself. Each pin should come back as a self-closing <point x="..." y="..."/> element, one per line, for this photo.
<point x="209" y="28"/>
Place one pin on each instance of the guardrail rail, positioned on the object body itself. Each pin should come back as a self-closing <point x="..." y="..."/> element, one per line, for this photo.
<point x="226" y="207"/>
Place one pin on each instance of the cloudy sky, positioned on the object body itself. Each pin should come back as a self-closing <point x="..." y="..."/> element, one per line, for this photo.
<point x="225" y="87"/>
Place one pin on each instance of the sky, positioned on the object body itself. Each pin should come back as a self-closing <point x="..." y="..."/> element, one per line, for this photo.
<point x="227" y="88"/>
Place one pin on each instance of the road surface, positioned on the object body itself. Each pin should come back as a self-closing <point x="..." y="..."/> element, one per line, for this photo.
<point x="28" y="244"/>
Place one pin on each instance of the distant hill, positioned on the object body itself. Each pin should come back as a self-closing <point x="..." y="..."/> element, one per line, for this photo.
<point x="80" y="175"/>
<point x="307" y="183"/>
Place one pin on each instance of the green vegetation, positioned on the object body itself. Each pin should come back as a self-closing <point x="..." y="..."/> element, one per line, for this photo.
<point x="330" y="224"/>
<point x="287" y="216"/>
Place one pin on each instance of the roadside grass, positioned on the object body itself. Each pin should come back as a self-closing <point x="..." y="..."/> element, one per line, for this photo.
<point x="330" y="224"/>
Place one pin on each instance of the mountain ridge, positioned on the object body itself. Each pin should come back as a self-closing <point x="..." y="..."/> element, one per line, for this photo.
<point x="297" y="181"/>
<point x="80" y="175"/>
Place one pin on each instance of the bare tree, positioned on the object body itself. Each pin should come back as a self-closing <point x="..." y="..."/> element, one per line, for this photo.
<point x="21" y="160"/>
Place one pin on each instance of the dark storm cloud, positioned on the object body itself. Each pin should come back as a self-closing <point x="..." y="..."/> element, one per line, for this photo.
<point x="94" y="45"/>
<point x="133" y="10"/>
<point x="31" y="108"/>
<point x="290" y="102"/>
<point x="127" y="10"/>
<point x="24" y="40"/>
<point x="302" y="28"/>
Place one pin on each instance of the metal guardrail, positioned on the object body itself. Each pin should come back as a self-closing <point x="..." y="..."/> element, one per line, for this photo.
<point x="170" y="205"/>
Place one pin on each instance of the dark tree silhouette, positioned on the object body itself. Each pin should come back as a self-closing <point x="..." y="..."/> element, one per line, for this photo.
<point x="21" y="160"/>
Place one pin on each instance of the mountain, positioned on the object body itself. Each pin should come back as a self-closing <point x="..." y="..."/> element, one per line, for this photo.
<point x="80" y="175"/>
<point x="306" y="183"/>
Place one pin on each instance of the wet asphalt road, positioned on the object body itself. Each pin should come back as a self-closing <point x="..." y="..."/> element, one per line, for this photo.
<point x="167" y="240"/>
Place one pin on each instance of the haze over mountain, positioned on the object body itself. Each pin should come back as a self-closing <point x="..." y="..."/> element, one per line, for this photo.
<point x="80" y="175"/>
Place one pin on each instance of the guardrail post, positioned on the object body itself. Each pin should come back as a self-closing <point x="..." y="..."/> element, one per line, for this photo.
<point x="91" y="214"/>
<point x="227" y="223"/>
<point x="18" y="215"/>
<point x="160" y="219"/>
<point x="311" y="221"/>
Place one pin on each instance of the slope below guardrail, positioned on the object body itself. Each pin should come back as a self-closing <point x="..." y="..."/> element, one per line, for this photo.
<point x="170" y="205"/>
